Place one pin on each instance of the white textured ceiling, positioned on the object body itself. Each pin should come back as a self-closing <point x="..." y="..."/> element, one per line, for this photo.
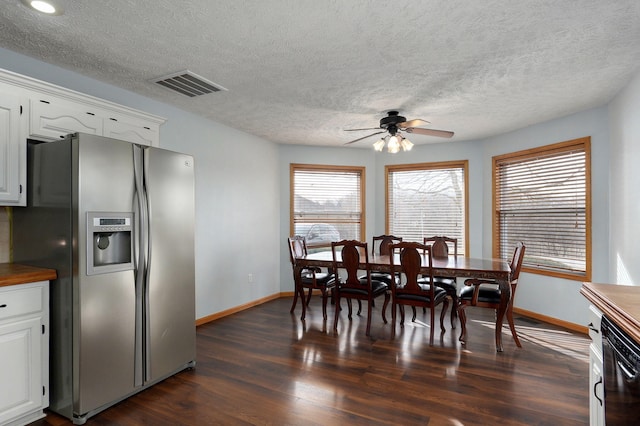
<point x="302" y="71"/>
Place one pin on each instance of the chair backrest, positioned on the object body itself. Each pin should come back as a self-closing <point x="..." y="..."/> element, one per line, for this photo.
<point x="355" y="258"/>
<point x="297" y="247"/>
<point x="381" y="244"/>
<point x="411" y="256"/>
<point x="516" y="262"/>
<point x="441" y="244"/>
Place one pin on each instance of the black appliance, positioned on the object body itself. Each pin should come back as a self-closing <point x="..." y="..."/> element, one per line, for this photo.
<point x="621" y="358"/>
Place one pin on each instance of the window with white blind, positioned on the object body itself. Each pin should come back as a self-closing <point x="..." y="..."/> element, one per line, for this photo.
<point x="542" y="198"/>
<point x="428" y="199"/>
<point x="327" y="203"/>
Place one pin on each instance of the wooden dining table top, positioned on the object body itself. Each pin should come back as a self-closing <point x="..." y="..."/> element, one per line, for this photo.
<point x="454" y="266"/>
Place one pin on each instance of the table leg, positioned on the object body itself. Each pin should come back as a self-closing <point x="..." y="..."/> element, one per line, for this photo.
<point x="505" y="297"/>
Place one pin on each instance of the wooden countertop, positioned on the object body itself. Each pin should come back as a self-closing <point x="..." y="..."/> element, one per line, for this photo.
<point x="619" y="303"/>
<point x="14" y="273"/>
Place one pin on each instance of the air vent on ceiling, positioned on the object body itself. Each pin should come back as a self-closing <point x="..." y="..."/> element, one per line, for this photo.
<point x="188" y="83"/>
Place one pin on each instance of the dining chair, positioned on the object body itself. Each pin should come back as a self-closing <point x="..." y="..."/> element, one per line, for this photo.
<point x="380" y="247"/>
<point x="353" y="260"/>
<point x="486" y="294"/>
<point x="407" y="291"/>
<point x="310" y="278"/>
<point x="440" y="248"/>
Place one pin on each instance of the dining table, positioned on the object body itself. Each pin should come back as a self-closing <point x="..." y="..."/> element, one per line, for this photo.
<point x="451" y="266"/>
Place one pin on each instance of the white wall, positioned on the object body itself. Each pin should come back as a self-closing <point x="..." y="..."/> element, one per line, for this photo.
<point x="237" y="191"/>
<point x="624" y="237"/>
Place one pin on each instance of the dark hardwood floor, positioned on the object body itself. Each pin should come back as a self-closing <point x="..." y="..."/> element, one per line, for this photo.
<point x="263" y="366"/>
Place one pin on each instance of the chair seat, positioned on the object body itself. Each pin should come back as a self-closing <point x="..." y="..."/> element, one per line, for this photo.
<point x="322" y="278"/>
<point x="378" y="287"/>
<point x="380" y="276"/>
<point x="439" y="294"/>
<point x="489" y="293"/>
<point x="448" y="284"/>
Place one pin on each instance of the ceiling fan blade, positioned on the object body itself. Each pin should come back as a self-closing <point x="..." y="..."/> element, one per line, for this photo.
<point x="430" y="132"/>
<point x="357" y="130"/>
<point x="364" y="137"/>
<point x="413" y="123"/>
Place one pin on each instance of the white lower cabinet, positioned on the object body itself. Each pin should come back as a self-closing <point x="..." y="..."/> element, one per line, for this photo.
<point x="24" y="352"/>
<point x="596" y="376"/>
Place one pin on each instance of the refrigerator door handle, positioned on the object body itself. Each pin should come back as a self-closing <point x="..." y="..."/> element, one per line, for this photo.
<point x="148" y="253"/>
<point x="141" y="266"/>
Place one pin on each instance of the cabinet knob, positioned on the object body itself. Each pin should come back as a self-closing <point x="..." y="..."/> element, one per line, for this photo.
<point x="4" y="305"/>
<point x="591" y="327"/>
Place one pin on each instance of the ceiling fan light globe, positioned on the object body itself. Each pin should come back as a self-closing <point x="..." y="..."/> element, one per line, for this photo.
<point x="394" y="144"/>
<point x="379" y="145"/>
<point x="406" y="144"/>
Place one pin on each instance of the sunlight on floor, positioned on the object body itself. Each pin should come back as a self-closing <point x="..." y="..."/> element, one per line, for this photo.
<point x="561" y="341"/>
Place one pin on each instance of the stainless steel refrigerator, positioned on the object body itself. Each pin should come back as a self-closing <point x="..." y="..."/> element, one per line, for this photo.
<point x="116" y="220"/>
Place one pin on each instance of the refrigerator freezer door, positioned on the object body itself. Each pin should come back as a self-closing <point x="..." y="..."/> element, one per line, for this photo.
<point x="170" y="288"/>
<point x="104" y="304"/>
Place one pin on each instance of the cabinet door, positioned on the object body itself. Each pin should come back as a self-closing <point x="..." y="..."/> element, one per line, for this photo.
<point x="12" y="152"/>
<point x="52" y="119"/>
<point x="131" y="131"/>
<point x="596" y="385"/>
<point x="21" y="381"/>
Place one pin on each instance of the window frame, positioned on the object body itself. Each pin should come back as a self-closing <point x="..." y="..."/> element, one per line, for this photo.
<point x="462" y="164"/>
<point x="583" y="144"/>
<point x="360" y="170"/>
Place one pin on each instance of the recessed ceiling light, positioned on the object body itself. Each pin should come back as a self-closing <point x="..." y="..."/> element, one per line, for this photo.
<point x="46" y="7"/>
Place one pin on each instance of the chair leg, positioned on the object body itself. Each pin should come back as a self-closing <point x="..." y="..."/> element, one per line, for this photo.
<point x="350" y="308"/>
<point x="359" y="307"/>
<point x="295" y="301"/>
<point x="369" y="317"/>
<point x="413" y="318"/>
<point x="512" y="326"/>
<point x="463" y="323"/>
<point x="445" y="306"/>
<point x="309" y="296"/>
<point x="337" y="314"/>
<point x="433" y="315"/>
<point x="324" y="303"/>
<point x="454" y="311"/>
<point x="387" y="297"/>
<point x="394" y="307"/>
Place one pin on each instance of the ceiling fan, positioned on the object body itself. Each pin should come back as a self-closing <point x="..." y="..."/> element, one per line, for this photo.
<point x="393" y="124"/>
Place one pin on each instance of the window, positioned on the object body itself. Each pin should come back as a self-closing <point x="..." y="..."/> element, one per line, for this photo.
<point x="327" y="203"/>
<point x="542" y="197"/>
<point x="428" y="199"/>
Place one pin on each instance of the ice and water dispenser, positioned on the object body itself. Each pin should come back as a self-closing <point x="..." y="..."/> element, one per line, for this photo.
<point x="109" y="242"/>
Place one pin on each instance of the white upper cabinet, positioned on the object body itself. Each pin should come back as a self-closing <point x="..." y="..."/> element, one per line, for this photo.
<point x="12" y="151"/>
<point x="51" y="118"/>
<point x="38" y="110"/>
<point x="131" y="130"/>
